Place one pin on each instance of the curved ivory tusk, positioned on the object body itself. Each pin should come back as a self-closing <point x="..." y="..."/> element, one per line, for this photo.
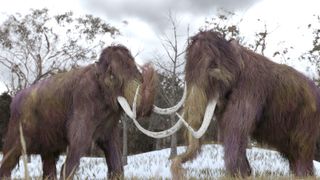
<point x="125" y="106"/>
<point x="132" y="114"/>
<point x="134" y="104"/>
<point x="160" y="134"/>
<point x="173" y="109"/>
<point x="206" y="120"/>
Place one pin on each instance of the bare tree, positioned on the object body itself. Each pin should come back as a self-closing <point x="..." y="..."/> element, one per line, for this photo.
<point x="260" y="42"/>
<point x="171" y="67"/>
<point x="37" y="45"/>
<point x="226" y="23"/>
<point x="222" y="22"/>
<point x="313" y="55"/>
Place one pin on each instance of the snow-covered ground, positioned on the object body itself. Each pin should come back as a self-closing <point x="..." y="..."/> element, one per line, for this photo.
<point x="156" y="164"/>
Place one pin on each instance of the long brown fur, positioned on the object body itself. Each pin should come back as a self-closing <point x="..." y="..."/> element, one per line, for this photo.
<point x="195" y="96"/>
<point x="271" y="103"/>
<point x="74" y="109"/>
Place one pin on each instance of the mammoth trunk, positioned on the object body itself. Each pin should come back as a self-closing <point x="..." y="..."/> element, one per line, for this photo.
<point x="194" y="111"/>
<point x="195" y="106"/>
<point x="146" y="94"/>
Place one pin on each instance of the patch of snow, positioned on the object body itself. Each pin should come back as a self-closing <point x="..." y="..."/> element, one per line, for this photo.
<point x="209" y="163"/>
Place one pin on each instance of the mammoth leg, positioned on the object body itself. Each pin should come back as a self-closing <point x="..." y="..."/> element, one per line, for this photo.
<point x="11" y="156"/>
<point x="235" y="155"/>
<point x="300" y="155"/>
<point x="302" y="167"/>
<point x="76" y="150"/>
<point x="192" y="150"/>
<point x="11" y="152"/>
<point x="301" y="149"/>
<point x="110" y="147"/>
<point x="80" y="137"/>
<point x="49" y="166"/>
<point x="236" y="125"/>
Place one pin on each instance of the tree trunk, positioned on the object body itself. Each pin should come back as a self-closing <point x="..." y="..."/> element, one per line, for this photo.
<point x="92" y="149"/>
<point x="173" y="150"/>
<point x="125" y="142"/>
<point x="158" y="144"/>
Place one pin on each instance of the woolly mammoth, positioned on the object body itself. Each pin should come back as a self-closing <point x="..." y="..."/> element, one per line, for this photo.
<point x="250" y="96"/>
<point x="74" y="109"/>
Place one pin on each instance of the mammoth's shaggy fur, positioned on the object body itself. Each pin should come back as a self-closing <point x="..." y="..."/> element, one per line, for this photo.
<point x="77" y="108"/>
<point x="272" y="103"/>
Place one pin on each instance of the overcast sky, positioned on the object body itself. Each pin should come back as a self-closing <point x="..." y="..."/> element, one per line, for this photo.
<point x="154" y="12"/>
<point x="147" y="20"/>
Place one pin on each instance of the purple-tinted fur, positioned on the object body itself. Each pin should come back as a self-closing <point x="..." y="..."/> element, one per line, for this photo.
<point x="74" y="109"/>
<point x="272" y="103"/>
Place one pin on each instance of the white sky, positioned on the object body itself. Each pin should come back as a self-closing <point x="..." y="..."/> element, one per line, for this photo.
<point x="286" y="19"/>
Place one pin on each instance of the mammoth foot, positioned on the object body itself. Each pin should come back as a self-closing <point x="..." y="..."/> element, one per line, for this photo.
<point x="116" y="176"/>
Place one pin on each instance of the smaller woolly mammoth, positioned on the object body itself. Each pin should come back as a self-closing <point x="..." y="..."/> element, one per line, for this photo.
<point x="74" y="109"/>
<point x="250" y="96"/>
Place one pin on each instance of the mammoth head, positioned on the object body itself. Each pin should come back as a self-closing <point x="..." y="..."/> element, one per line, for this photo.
<point x="120" y="76"/>
<point x="213" y="66"/>
<point x="214" y="60"/>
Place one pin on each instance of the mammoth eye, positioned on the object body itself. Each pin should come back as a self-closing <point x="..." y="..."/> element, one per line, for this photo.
<point x="111" y="77"/>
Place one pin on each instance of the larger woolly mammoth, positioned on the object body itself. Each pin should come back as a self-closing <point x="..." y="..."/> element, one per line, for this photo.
<point x="74" y="109"/>
<point x="253" y="97"/>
